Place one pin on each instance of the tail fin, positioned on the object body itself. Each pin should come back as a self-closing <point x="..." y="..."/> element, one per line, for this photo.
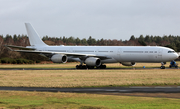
<point x="34" y="38"/>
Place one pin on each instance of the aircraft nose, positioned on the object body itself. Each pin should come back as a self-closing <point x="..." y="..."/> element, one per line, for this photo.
<point x="176" y="55"/>
<point x="173" y="56"/>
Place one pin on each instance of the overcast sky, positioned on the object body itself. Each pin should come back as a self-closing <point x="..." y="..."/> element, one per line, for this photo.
<point x="107" y="19"/>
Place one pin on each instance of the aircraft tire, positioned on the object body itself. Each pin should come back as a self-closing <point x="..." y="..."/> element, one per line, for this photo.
<point x="104" y="66"/>
<point x="101" y="67"/>
<point x="77" y="66"/>
<point x="90" y="67"/>
<point x="84" y="67"/>
<point x="162" y="67"/>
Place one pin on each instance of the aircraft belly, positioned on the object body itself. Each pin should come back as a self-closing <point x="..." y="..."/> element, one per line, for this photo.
<point x="109" y="61"/>
<point x="70" y="59"/>
<point x="102" y="61"/>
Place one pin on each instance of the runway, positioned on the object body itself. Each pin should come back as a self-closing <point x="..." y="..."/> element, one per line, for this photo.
<point x="99" y="90"/>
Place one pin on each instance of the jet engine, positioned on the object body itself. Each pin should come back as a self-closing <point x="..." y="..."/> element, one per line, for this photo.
<point x="58" y="58"/>
<point x="128" y="63"/>
<point x="91" y="61"/>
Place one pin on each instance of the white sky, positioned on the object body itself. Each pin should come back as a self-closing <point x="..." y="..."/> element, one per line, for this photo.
<point x="107" y="19"/>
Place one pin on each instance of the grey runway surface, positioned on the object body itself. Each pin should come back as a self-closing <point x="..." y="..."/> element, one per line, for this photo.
<point x="99" y="90"/>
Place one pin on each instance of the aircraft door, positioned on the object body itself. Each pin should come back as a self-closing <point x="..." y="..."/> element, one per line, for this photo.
<point x="119" y="54"/>
<point x="160" y="54"/>
<point x="70" y="50"/>
<point x="97" y="52"/>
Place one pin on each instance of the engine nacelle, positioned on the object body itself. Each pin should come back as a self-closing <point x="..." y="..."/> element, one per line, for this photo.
<point x="58" y="58"/>
<point x="128" y="63"/>
<point x="91" y="61"/>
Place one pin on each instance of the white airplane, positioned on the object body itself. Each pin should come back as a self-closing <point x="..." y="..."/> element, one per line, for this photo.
<point x="96" y="56"/>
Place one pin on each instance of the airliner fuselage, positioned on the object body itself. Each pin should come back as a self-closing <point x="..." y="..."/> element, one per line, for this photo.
<point x="119" y="53"/>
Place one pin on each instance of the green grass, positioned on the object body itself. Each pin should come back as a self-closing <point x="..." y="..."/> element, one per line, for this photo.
<point x="23" y="99"/>
<point x="84" y="78"/>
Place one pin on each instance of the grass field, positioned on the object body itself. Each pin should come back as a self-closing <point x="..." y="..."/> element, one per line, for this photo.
<point x="84" y="78"/>
<point x="49" y="100"/>
<point x="88" y="78"/>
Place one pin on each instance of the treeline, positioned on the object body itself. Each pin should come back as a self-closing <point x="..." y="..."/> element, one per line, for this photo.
<point x="22" y="40"/>
<point x="17" y="61"/>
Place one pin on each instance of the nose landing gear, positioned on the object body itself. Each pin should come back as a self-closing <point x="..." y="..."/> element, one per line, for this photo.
<point x="162" y="65"/>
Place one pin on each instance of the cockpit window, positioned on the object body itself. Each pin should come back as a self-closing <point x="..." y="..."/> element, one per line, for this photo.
<point x="171" y="51"/>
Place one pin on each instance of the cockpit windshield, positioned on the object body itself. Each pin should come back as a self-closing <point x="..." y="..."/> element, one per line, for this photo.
<point x="171" y="51"/>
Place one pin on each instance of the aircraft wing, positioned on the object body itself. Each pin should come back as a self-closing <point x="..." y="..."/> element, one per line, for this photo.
<point x="18" y="47"/>
<point x="75" y="55"/>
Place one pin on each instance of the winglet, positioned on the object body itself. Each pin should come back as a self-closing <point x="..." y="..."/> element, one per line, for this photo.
<point x="34" y="38"/>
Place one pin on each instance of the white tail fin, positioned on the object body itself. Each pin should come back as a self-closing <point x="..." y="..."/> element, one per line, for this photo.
<point x="34" y="38"/>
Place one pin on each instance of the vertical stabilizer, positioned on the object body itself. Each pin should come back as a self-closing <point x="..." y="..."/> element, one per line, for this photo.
<point x="34" y="38"/>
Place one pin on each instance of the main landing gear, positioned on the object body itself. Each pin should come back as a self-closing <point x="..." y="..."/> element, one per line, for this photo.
<point x="101" y="67"/>
<point x="84" y="67"/>
<point x="90" y="67"/>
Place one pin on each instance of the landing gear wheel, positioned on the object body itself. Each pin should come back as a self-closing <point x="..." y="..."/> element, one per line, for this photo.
<point x="79" y="66"/>
<point x="84" y="67"/>
<point x="90" y="67"/>
<point x="101" y="67"/>
<point x="162" y="67"/>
